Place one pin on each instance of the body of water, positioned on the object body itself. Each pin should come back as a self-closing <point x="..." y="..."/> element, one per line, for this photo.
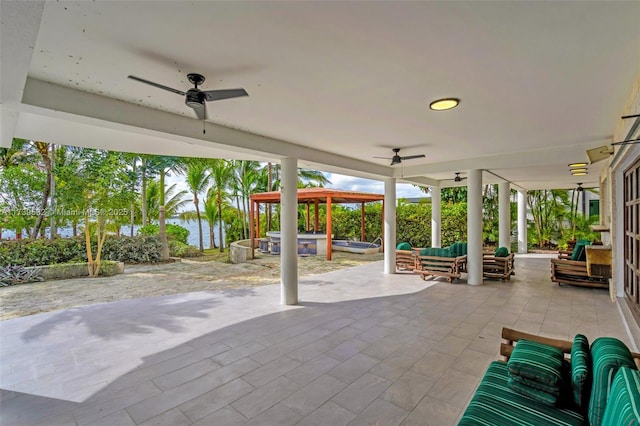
<point x="191" y="226"/>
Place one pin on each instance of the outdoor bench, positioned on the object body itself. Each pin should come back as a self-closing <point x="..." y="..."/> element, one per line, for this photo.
<point x="597" y="385"/>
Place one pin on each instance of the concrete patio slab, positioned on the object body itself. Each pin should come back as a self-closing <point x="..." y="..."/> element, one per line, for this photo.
<point x="360" y="346"/>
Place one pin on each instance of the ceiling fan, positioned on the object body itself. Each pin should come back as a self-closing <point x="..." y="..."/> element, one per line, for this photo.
<point x="196" y="98"/>
<point x="458" y="178"/>
<point x="579" y="188"/>
<point x="397" y="159"/>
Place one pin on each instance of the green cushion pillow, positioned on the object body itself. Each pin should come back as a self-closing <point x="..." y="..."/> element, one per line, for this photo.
<point x="533" y="393"/>
<point x="459" y="248"/>
<point x="403" y="246"/>
<point x="581" y="370"/>
<point x="502" y="252"/>
<point x="608" y="355"/>
<point x="579" y="253"/>
<point x="536" y="361"/>
<point x="434" y="251"/>
<point x="623" y="405"/>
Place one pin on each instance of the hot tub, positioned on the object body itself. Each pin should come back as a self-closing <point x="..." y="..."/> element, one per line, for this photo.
<point x="359" y="247"/>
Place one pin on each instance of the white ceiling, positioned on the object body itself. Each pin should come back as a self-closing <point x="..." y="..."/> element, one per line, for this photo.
<point x="337" y="83"/>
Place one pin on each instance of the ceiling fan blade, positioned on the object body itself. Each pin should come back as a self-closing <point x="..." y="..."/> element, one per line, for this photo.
<point x="159" y="86"/>
<point x="217" y="95"/>
<point x="384" y="158"/>
<point x="200" y="110"/>
<point x="411" y="157"/>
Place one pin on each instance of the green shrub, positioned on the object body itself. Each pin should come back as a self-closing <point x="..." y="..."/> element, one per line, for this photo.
<point x="174" y="232"/>
<point x="140" y="249"/>
<point x="42" y="252"/>
<point x="178" y="249"/>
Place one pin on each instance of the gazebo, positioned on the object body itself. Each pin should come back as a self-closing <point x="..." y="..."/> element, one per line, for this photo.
<point x="315" y="196"/>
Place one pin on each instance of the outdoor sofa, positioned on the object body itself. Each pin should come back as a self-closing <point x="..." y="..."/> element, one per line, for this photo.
<point x="597" y="384"/>
<point x="574" y="269"/>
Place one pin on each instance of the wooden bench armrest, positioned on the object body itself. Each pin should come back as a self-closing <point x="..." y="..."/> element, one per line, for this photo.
<point x="511" y="336"/>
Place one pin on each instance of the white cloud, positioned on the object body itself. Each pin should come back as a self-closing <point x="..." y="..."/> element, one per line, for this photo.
<point x="350" y="183"/>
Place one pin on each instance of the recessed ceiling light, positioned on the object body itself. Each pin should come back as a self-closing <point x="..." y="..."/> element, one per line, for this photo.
<point x="578" y="164"/>
<point x="579" y="170"/>
<point x="444" y="104"/>
<point x="580" y="173"/>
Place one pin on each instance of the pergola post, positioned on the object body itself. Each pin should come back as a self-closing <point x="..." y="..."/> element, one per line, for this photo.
<point x="362" y="235"/>
<point x="252" y="235"/>
<point x="308" y="224"/>
<point x="316" y="224"/>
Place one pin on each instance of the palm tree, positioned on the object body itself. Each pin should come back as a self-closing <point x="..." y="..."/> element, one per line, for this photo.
<point x="174" y="201"/>
<point x="198" y="177"/>
<point x="43" y="149"/>
<point x="245" y="182"/>
<point x="211" y="215"/>
<point x="222" y="175"/>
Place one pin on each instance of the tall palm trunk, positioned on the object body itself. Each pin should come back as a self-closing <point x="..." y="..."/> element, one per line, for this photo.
<point x="43" y="150"/>
<point x="143" y="192"/>
<point x="196" y="202"/>
<point x="219" y="201"/>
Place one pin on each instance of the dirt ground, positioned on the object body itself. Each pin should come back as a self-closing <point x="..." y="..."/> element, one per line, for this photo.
<point x="161" y="279"/>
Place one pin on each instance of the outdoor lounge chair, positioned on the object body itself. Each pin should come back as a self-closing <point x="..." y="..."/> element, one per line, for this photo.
<point x="406" y="260"/>
<point x="578" y="271"/>
<point x="497" y="265"/>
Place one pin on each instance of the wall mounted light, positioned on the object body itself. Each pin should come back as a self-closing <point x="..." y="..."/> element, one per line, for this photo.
<point x="444" y="104"/>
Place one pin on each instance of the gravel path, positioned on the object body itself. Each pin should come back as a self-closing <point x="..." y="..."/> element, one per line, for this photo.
<point x="161" y="279"/>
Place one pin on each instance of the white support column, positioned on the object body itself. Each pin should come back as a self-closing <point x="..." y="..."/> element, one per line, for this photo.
<point x="474" y="227"/>
<point x="504" y="215"/>
<point x="436" y="220"/>
<point x="390" y="226"/>
<point x="522" y="221"/>
<point x="289" y="232"/>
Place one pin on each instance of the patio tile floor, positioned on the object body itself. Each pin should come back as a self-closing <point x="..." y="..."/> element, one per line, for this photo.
<point x="362" y="347"/>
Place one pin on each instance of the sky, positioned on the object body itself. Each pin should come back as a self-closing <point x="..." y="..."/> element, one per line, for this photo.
<point x="349" y="183"/>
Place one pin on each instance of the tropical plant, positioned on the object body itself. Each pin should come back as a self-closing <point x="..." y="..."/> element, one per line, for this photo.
<point x="221" y="176"/>
<point x="197" y="176"/>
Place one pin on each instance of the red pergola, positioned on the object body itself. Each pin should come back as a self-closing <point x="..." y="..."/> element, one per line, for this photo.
<point x="315" y="196"/>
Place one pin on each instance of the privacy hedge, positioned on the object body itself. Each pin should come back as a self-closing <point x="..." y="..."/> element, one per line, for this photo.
<point x="141" y="249"/>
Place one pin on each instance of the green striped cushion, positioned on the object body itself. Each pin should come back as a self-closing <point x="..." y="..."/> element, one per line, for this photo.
<point x="459" y="248"/>
<point x="623" y="405"/>
<point x="581" y="370"/>
<point x="536" y="361"/>
<point x="534" y="384"/>
<point x="608" y="355"/>
<point x="534" y="393"/>
<point x="494" y="403"/>
<point x="435" y="251"/>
